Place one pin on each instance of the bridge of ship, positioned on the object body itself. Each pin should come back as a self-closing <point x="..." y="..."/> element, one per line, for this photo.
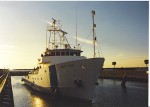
<point x="62" y="52"/>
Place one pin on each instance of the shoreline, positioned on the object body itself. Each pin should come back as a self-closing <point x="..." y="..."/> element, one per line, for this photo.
<point x="144" y="80"/>
<point x="137" y="74"/>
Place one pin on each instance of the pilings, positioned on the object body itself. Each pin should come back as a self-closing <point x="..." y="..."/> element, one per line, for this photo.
<point x="123" y="83"/>
<point x="6" y="94"/>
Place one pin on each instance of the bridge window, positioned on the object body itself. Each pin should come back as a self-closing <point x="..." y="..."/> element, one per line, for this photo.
<point x="62" y="53"/>
<point x="67" y="53"/>
<point x="52" y="53"/>
<point x="75" y="54"/>
<point x="78" y="54"/>
<point x="71" y="53"/>
<point x="57" y="53"/>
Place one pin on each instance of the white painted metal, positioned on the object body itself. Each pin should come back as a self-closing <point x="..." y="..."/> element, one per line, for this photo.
<point x="60" y="59"/>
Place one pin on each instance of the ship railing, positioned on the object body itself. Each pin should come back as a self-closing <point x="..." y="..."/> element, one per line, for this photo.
<point x="58" y="28"/>
<point x="35" y="71"/>
<point x="65" y="46"/>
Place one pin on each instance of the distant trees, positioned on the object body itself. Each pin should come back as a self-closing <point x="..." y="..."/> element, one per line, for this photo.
<point x="146" y="62"/>
<point x="114" y="63"/>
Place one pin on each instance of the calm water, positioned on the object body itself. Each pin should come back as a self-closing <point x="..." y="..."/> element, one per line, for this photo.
<point x="109" y="94"/>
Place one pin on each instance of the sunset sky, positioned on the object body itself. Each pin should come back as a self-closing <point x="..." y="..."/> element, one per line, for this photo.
<point x="121" y="30"/>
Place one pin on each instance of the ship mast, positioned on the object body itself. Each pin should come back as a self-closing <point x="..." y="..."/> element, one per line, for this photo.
<point x="56" y="32"/>
<point x="76" y="27"/>
<point x="93" y="29"/>
<point x="54" y="24"/>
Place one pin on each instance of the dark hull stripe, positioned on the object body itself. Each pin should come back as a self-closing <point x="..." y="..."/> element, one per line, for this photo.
<point x="53" y="78"/>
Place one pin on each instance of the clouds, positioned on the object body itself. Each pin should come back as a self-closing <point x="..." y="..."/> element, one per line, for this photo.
<point x="83" y="40"/>
<point x="9" y="49"/>
<point x="46" y="21"/>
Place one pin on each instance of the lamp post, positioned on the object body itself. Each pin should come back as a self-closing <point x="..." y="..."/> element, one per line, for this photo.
<point x="114" y="63"/>
<point x="146" y="62"/>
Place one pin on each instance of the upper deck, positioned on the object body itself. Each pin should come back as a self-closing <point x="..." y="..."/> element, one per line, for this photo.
<point x="62" y="52"/>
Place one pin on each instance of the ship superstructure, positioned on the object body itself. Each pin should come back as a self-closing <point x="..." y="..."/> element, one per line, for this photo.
<point x="62" y="69"/>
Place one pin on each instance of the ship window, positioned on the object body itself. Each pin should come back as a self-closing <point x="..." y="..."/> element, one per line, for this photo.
<point x="45" y="71"/>
<point x="71" y="53"/>
<point x="75" y="54"/>
<point x="67" y="53"/>
<point x="78" y="54"/>
<point x="52" y="53"/>
<point x="28" y="77"/>
<point x="41" y="78"/>
<point x="57" y="53"/>
<point x="62" y="53"/>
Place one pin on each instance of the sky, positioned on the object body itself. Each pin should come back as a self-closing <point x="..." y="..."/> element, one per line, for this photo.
<point x="121" y="30"/>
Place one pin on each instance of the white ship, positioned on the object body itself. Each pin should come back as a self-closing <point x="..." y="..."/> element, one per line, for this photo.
<point x="63" y="70"/>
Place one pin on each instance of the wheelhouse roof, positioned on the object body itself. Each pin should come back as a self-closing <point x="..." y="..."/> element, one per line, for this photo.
<point x="63" y="50"/>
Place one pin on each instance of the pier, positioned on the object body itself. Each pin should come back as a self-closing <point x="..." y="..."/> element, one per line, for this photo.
<point x="6" y="94"/>
<point x="20" y="72"/>
<point x="138" y="74"/>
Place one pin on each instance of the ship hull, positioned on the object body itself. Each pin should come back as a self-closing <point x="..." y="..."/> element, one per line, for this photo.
<point x="74" y="79"/>
<point x="37" y="88"/>
<point x="78" y="78"/>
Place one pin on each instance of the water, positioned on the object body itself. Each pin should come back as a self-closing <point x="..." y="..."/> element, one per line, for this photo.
<point x="109" y="94"/>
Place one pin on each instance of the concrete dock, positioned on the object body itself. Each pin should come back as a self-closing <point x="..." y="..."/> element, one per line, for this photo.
<point x="6" y="94"/>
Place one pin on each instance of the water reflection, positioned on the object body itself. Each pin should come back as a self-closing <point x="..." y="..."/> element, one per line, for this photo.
<point x="22" y="96"/>
<point x="109" y="93"/>
<point x="25" y="97"/>
<point x="37" y="102"/>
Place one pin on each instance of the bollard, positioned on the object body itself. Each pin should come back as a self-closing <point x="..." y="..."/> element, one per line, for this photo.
<point x="123" y="83"/>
